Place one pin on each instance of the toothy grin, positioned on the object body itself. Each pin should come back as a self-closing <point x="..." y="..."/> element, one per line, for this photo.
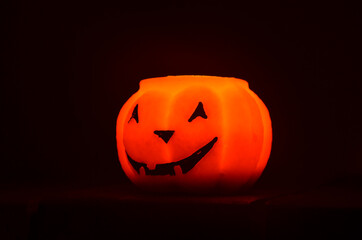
<point x="172" y="168"/>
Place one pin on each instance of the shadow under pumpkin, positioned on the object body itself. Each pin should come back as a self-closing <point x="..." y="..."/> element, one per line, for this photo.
<point x="101" y="213"/>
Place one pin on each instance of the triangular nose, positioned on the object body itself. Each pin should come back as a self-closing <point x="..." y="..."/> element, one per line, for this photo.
<point x="165" y="135"/>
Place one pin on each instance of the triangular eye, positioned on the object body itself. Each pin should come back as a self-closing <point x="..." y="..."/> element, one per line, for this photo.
<point x="134" y="114"/>
<point x="199" y="112"/>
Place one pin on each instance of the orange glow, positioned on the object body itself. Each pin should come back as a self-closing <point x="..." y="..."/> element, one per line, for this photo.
<point x="194" y="133"/>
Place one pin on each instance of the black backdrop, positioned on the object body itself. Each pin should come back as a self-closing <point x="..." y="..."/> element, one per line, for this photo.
<point x="67" y="68"/>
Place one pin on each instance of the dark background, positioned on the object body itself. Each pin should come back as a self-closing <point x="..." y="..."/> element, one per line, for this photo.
<point x="68" y="67"/>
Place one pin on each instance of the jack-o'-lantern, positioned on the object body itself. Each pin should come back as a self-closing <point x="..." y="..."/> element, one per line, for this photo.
<point x="194" y="133"/>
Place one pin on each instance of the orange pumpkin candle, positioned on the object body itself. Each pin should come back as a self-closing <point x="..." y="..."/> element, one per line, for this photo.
<point x="194" y="133"/>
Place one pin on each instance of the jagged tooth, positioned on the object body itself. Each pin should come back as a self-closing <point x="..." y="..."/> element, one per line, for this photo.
<point x="142" y="171"/>
<point x="177" y="169"/>
<point x="151" y="166"/>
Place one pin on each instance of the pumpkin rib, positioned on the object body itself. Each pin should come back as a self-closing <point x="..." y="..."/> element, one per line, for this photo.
<point x="119" y="134"/>
<point x="267" y="125"/>
<point x="240" y="92"/>
<point x="267" y="134"/>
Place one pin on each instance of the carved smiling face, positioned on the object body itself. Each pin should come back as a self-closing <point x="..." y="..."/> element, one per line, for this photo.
<point x="172" y="167"/>
<point x="182" y="131"/>
<point x="169" y="135"/>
